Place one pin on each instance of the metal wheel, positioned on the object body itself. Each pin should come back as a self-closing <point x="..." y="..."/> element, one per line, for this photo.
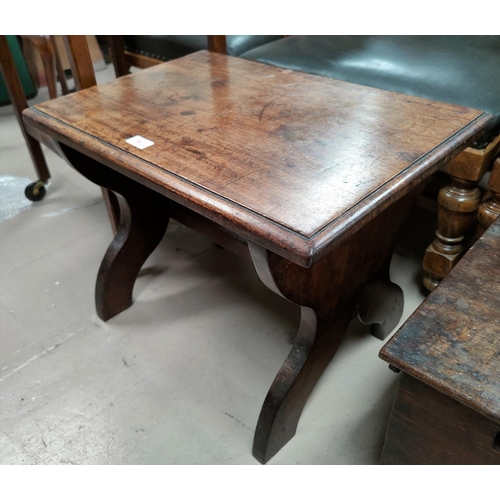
<point x="35" y="191"/>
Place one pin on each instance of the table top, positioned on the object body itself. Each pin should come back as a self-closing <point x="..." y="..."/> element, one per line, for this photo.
<point x="291" y="161"/>
<point x="452" y="341"/>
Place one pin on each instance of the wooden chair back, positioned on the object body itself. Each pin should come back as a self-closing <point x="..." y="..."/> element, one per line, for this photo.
<point x="123" y="60"/>
<point x="84" y="76"/>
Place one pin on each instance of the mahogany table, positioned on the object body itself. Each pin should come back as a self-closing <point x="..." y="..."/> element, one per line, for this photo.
<point x="309" y="176"/>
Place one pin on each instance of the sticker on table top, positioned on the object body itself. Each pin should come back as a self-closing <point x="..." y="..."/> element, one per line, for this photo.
<point x="139" y="142"/>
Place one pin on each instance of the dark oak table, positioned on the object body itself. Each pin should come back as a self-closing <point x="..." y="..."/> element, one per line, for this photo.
<point x="447" y="408"/>
<point x="310" y="177"/>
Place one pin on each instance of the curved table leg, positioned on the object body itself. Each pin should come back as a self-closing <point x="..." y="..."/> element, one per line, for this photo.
<point x="329" y="293"/>
<point x="138" y="235"/>
<point x="143" y="222"/>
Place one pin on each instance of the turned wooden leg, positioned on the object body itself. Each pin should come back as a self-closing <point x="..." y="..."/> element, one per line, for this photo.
<point x="60" y="71"/>
<point x="489" y="210"/>
<point x="143" y="222"/>
<point x="458" y="204"/>
<point x="329" y="293"/>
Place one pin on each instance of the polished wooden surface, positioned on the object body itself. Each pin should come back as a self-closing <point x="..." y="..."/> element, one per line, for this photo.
<point x="329" y="293"/>
<point x="452" y="341"/>
<point x="293" y="162"/>
<point x="313" y="177"/>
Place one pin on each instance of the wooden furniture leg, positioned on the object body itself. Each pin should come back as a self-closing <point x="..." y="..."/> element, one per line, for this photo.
<point x="330" y="293"/>
<point x="45" y="48"/>
<point x="458" y="204"/>
<point x="80" y="61"/>
<point x="217" y="43"/>
<point x="84" y="76"/>
<point x="18" y="99"/>
<point x="489" y="210"/>
<point x="143" y="222"/>
<point x="60" y="71"/>
<point x="117" y="49"/>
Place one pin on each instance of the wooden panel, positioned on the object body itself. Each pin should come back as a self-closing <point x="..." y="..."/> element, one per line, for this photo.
<point x="290" y="160"/>
<point x="429" y="428"/>
<point x="94" y="49"/>
<point x="452" y="341"/>
<point x="141" y="61"/>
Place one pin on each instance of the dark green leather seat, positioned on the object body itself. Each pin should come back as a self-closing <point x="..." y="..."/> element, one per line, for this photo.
<point x="463" y="70"/>
<point x="167" y="47"/>
<point x="29" y="88"/>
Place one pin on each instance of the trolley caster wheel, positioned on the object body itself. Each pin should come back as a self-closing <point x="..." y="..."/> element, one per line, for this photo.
<point x="35" y="191"/>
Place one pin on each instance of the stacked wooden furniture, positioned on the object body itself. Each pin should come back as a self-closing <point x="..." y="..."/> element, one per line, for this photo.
<point x="462" y="70"/>
<point x="447" y="408"/>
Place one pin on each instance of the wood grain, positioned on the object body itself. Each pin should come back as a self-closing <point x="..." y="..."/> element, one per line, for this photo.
<point x="18" y="99"/>
<point x="217" y="43"/>
<point x="293" y="162"/>
<point x="46" y="50"/>
<point x="139" y="231"/>
<point x="330" y="293"/>
<point x="80" y="61"/>
<point x="82" y="70"/>
<point x="429" y="428"/>
<point x="452" y="341"/>
<point x="316" y="176"/>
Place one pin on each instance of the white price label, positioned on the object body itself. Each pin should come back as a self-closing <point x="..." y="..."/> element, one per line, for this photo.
<point x="139" y="142"/>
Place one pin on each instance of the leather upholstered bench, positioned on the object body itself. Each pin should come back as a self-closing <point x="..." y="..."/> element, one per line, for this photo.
<point x="463" y="70"/>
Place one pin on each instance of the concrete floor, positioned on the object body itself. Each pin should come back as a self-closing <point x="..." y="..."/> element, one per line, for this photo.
<point x="180" y="377"/>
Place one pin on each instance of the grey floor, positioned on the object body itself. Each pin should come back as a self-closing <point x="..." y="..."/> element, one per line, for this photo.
<point x="179" y="378"/>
